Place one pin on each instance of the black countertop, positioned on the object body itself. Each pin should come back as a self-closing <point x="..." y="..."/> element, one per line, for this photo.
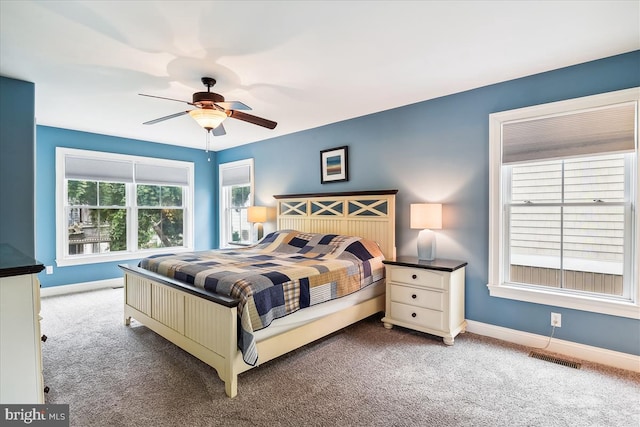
<point x="15" y="263"/>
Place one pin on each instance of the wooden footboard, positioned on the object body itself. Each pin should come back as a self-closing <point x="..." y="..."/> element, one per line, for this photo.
<point x="205" y="325"/>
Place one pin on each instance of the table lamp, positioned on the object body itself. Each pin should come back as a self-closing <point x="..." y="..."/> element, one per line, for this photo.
<point x="426" y="217"/>
<point x="257" y="215"/>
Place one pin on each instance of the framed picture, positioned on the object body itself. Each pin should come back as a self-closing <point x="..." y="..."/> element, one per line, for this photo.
<point x="334" y="165"/>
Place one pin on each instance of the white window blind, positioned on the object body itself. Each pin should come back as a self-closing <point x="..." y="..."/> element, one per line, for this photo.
<point x="236" y="175"/>
<point x="161" y="174"/>
<point x="609" y="129"/>
<point x="86" y="168"/>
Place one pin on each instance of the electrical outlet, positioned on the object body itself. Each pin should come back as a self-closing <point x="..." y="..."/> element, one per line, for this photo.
<point x="556" y="320"/>
<point x="49" y="269"/>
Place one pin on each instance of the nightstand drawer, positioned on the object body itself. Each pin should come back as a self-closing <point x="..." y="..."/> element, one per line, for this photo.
<point x="417" y="276"/>
<point x="418" y="297"/>
<point x="417" y="315"/>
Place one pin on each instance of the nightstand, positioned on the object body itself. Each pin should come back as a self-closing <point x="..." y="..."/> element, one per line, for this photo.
<point x="426" y="296"/>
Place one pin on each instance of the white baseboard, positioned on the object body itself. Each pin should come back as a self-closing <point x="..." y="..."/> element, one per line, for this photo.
<point x="603" y="356"/>
<point x="81" y="287"/>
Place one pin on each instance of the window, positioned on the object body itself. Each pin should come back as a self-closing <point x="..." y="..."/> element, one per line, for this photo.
<point x="236" y="195"/>
<point x="96" y="217"/>
<point x="113" y="207"/>
<point x="160" y="216"/>
<point x="563" y="194"/>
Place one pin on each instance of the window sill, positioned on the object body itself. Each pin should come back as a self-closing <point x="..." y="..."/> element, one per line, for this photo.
<point x="121" y="256"/>
<point x="556" y="299"/>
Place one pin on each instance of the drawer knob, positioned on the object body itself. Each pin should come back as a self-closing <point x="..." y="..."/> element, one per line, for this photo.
<point x="414" y="296"/>
<point x="43" y="338"/>
<point x="413" y="315"/>
<point x="47" y="389"/>
<point x="414" y="276"/>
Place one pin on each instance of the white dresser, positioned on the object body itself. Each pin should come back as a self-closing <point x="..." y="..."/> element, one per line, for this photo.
<point x="426" y="296"/>
<point x="20" y="351"/>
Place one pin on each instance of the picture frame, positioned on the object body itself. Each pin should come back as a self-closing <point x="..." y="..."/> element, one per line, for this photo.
<point x="334" y="165"/>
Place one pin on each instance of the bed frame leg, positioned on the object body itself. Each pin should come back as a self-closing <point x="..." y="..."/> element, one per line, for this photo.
<point x="231" y="386"/>
<point x="127" y="320"/>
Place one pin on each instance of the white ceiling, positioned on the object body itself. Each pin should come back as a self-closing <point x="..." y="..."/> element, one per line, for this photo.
<point x="303" y="64"/>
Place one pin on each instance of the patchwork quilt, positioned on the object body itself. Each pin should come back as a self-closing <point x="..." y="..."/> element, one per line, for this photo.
<point x="286" y="271"/>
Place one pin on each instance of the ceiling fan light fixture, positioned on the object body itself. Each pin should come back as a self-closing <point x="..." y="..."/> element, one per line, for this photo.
<point x="211" y="110"/>
<point x="208" y="118"/>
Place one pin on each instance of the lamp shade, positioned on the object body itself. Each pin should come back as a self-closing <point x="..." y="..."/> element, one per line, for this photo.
<point x="257" y="214"/>
<point x="208" y="118"/>
<point x="426" y="216"/>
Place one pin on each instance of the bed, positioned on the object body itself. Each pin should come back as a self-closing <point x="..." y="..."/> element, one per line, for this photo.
<point x="187" y="298"/>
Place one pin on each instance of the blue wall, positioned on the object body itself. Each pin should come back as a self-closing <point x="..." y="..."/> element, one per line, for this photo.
<point x="48" y="138"/>
<point x="17" y="147"/>
<point x="438" y="151"/>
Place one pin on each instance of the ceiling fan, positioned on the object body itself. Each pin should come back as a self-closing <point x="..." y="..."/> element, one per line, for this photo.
<point x="211" y="110"/>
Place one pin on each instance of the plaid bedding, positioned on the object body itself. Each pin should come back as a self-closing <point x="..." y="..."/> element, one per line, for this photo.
<point x="286" y="271"/>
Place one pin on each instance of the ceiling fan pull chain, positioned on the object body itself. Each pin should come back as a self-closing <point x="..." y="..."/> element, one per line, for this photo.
<point x="208" y="142"/>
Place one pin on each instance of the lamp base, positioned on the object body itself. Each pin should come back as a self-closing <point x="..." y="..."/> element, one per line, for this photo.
<point x="260" y="230"/>
<point x="426" y="245"/>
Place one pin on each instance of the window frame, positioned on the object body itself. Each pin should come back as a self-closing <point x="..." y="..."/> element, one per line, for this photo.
<point x="64" y="259"/>
<point x="224" y="231"/>
<point x="497" y="217"/>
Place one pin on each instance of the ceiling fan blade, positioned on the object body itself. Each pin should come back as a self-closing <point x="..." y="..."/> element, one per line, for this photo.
<point x="233" y="105"/>
<point x="169" y="99"/>
<point x="161" y="119"/>
<point x="218" y="130"/>
<point x="252" y="119"/>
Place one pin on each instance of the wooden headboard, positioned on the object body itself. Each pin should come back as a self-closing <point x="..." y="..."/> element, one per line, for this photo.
<point x="368" y="214"/>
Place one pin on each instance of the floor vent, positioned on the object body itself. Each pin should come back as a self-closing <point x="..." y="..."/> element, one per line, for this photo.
<point x="556" y="360"/>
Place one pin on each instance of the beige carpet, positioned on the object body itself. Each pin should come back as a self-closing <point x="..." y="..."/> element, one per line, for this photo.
<point x="365" y="375"/>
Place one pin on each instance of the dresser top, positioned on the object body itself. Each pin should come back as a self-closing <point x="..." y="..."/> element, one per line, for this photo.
<point x="439" y="264"/>
<point x="15" y="263"/>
